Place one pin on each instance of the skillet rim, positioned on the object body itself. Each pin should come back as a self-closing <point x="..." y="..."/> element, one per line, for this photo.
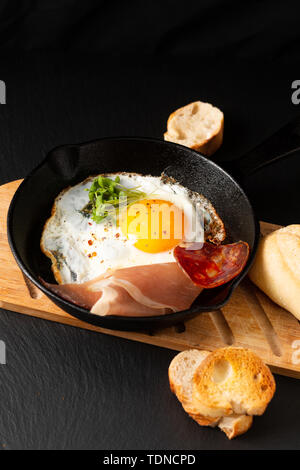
<point x="176" y="316"/>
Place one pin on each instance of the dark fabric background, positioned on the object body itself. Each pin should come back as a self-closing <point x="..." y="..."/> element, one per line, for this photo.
<point x="216" y="28"/>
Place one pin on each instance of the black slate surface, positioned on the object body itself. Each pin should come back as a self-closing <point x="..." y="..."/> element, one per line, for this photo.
<point x="66" y="388"/>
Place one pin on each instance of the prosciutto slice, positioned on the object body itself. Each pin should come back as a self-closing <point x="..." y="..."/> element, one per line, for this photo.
<point x="158" y="289"/>
<point x="147" y="290"/>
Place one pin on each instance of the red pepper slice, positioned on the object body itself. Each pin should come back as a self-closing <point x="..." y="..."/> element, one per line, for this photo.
<point x="210" y="265"/>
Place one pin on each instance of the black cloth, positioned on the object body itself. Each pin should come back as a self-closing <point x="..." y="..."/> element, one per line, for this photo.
<point x="203" y="28"/>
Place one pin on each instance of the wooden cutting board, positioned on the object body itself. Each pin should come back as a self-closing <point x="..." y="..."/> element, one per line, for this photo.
<point x="250" y="319"/>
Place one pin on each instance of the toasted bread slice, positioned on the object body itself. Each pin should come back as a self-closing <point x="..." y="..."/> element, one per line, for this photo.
<point x="181" y="372"/>
<point x="232" y="381"/>
<point x="232" y="426"/>
<point x="235" y="425"/>
<point x="197" y="125"/>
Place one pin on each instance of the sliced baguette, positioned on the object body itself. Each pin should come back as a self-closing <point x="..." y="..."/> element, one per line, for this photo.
<point x="232" y="381"/>
<point x="235" y="425"/>
<point x="181" y="372"/>
<point x="232" y="426"/>
<point x="197" y="125"/>
<point x="276" y="269"/>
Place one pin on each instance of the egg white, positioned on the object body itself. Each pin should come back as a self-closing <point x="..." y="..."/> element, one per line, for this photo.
<point x="81" y="249"/>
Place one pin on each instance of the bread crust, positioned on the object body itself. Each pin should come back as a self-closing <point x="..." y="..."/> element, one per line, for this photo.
<point x="235" y="426"/>
<point x="206" y="146"/>
<point x="276" y="268"/>
<point x="181" y="393"/>
<point x="211" y="145"/>
<point x="202" y="420"/>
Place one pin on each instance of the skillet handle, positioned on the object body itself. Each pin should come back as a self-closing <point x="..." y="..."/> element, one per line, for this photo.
<point x="282" y="143"/>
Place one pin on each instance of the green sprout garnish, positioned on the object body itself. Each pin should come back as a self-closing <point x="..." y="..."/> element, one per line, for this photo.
<point x="107" y="196"/>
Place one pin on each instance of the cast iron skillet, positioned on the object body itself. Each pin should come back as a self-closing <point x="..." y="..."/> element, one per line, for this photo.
<point x="70" y="164"/>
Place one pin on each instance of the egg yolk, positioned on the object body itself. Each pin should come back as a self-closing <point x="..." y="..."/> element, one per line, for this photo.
<point x="158" y="225"/>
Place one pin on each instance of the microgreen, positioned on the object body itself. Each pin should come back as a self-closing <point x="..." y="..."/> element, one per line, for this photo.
<point x="107" y="196"/>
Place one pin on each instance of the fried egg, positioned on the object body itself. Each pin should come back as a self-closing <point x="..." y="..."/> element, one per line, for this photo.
<point x="141" y="233"/>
